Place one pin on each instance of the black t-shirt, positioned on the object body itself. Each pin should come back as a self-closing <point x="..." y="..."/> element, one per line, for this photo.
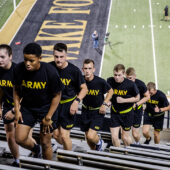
<point x="158" y="99"/>
<point x="141" y="87"/>
<point x="6" y="77"/>
<point x="37" y="87"/>
<point x="72" y="79"/>
<point x="96" y="90"/>
<point x="126" y="89"/>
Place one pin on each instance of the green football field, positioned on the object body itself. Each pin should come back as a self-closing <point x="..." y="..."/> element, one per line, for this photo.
<point x="139" y="38"/>
<point x="6" y="8"/>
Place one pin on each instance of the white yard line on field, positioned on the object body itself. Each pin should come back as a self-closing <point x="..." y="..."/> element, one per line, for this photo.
<point x="153" y="44"/>
<point x="101" y="64"/>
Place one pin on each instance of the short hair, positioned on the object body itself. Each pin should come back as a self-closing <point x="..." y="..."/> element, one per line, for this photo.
<point x="130" y="71"/>
<point x="151" y="85"/>
<point x="60" y="47"/>
<point x="119" y="67"/>
<point x="7" y="47"/>
<point x="87" y="61"/>
<point x="33" y="48"/>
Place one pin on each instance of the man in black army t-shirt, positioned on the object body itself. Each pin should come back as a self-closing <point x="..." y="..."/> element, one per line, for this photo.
<point x="38" y="87"/>
<point x="6" y="99"/>
<point x="154" y="113"/>
<point x="125" y="94"/>
<point x="138" y="109"/>
<point x="94" y="105"/>
<point x="74" y="91"/>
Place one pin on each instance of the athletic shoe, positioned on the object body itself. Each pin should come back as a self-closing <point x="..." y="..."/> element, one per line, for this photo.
<point x="147" y="141"/>
<point x="15" y="164"/>
<point x="99" y="147"/>
<point x="38" y="154"/>
<point x="136" y="143"/>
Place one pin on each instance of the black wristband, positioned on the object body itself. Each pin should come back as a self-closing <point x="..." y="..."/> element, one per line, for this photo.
<point x="77" y="99"/>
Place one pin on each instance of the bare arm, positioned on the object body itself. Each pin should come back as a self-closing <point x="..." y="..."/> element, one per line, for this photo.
<point x="109" y="95"/>
<point x="81" y="95"/>
<point x="82" y="92"/>
<point x="162" y="109"/>
<point x="144" y="99"/>
<point x="47" y="122"/>
<point x="16" y="96"/>
<point x="128" y="100"/>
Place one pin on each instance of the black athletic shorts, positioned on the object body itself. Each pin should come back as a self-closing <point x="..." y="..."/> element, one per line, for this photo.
<point x="157" y="121"/>
<point x="7" y="108"/>
<point x="66" y="120"/>
<point x="31" y="116"/>
<point x="91" y="119"/>
<point x="137" y="117"/>
<point x="124" y="120"/>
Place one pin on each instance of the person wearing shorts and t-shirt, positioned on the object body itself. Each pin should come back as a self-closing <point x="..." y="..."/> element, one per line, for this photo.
<point x="154" y="113"/>
<point x="38" y="87"/>
<point x="125" y="94"/>
<point x="6" y="99"/>
<point x="94" y="105"/>
<point x="74" y="91"/>
<point x="138" y="109"/>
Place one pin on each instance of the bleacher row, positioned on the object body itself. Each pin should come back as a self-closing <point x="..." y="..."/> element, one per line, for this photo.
<point x="129" y="158"/>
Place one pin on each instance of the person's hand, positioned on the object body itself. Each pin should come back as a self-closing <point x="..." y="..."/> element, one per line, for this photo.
<point x="102" y="109"/>
<point x="18" y="117"/>
<point x="157" y="109"/>
<point x="120" y="99"/>
<point x="74" y="107"/>
<point x="135" y="106"/>
<point x="9" y="115"/>
<point x="46" y="125"/>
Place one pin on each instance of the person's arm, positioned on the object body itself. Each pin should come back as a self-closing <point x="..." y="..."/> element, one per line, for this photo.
<point x="165" y="104"/>
<point x="47" y="122"/>
<point x="162" y="109"/>
<point x="1" y="95"/>
<point x="105" y="104"/>
<point x="17" y="99"/>
<point x="128" y="100"/>
<point x="144" y="99"/>
<point x="80" y="96"/>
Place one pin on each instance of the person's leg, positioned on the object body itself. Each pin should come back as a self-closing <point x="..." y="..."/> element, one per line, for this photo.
<point x="115" y="136"/>
<point x="136" y="134"/>
<point x="65" y="136"/>
<point x="145" y="130"/>
<point x="158" y="127"/>
<point x="22" y="136"/>
<point x="126" y="138"/>
<point x="10" y="135"/>
<point x="46" y="146"/>
<point x="30" y="136"/>
<point x="57" y="136"/>
<point x="92" y="138"/>
<point x="94" y="44"/>
<point x="136" y="124"/>
<point x="23" y="139"/>
<point x="156" y="137"/>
